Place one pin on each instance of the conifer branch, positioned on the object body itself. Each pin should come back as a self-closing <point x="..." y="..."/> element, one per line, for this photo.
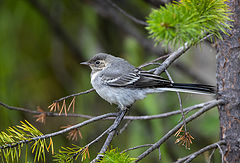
<point x="188" y="21"/>
<point x="12" y="140"/>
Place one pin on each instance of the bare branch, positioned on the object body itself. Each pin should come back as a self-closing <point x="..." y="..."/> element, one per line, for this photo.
<point x="139" y="146"/>
<point x="61" y="131"/>
<point x="180" y="102"/>
<point x="74" y="95"/>
<point x="175" y="55"/>
<point x="159" y="154"/>
<point x="153" y="61"/>
<point x="210" y="156"/>
<point x="221" y="151"/>
<point x="126" y="14"/>
<point x="147" y="117"/>
<point x="164" y="115"/>
<point x="190" y="157"/>
<point x="172" y="131"/>
<point x="124" y="127"/>
<point x="48" y="114"/>
<point x="92" y="142"/>
<point x="112" y="131"/>
<point x="107" y="11"/>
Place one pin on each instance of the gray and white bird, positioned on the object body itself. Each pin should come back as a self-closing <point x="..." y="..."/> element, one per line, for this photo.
<point x="120" y="83"/>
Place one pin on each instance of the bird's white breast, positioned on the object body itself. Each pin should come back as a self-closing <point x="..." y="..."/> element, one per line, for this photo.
<point x="123" y="97"/>
<point x="93" y="76"/>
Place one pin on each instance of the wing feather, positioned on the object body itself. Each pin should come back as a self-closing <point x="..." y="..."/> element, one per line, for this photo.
<point x="139" y="79"/>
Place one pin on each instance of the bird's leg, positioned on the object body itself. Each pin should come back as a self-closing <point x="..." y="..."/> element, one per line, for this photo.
<point x="118" y="119"/>
<point x="119" y="108"/>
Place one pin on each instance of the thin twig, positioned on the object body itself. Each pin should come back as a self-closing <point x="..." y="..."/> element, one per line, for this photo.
<point x="139" y="146"/>
<point x="48" y="114"/>
<point x="190" y="157"/>
<point x="92" y="142"/>
<point x="112" y="131"/>
<point x="221" y="151"/>
<point x="125" y="126"/>
<point x="74" y="95"/>
<point x="146" y="117"/>
<point x="159" y="154"/>
<point x="210" y="157"/>
<point x="61" y="131"/>
<point x="180" y="102"/>
<point x="172" y="131"/>
<point x="164" y="115"/>
<point x="175" y="55"/>
<point x="105" y="10"/>
<point x="153" y="61"/>
<point x="126" y="14"/>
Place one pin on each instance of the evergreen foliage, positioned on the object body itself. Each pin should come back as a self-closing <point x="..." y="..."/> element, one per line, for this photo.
<point x="13" y="139"/>
<point x="69" y="154"/>
<point x="114" y="156"/>
<point x="188" y="21"/>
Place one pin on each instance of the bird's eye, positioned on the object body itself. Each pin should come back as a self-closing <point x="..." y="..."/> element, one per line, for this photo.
<point x="97" y="62"/>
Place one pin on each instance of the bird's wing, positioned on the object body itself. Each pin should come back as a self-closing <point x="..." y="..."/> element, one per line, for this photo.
<point x="138" y="79"/>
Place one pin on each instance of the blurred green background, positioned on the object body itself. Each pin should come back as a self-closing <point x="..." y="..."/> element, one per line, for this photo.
<point x="41" y="45"/>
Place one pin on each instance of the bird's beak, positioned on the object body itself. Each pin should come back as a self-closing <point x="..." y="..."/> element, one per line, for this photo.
<point x="84" y="63"/>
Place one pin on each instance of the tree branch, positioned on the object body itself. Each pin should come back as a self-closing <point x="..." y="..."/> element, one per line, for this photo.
<point x="107" y="11"/>
<point x="112" y="131"/>
<point x="175" y="55"/>
<point x="126" y="14"/>
<point x="61" y="131"/>
<point x="137" y="147"/>
<point x="48" y="114"/>
<point x="146" y="117"/>
<point x="190" y="157"/>
<point x="172" y="131"/>
<point x="74" y="95"/>
<point x="164" y="115"/>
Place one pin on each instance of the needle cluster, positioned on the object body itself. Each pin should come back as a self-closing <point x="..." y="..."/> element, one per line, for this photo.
<point x="188" y="21"/>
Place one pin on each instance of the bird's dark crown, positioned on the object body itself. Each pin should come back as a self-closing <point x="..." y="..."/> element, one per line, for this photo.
<point x="99" y="56"/>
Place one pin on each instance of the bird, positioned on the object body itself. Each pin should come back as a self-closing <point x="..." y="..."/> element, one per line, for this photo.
<point x="119" y="82"/>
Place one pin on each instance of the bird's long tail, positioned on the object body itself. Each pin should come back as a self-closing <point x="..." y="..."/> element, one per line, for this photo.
<point x="191" y="88"/>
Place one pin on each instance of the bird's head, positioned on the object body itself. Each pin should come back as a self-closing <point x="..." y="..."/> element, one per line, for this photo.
<point x="99" y="61"/>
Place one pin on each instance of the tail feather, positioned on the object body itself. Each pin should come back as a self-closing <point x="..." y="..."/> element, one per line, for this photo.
<point x="195" y="88"/>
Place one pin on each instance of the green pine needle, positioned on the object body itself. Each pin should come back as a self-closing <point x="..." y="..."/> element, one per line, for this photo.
<point x="69" y="154"/>
<point x="114" y="156"/>
<point x="13" y="139"/>
<point x="188" y="21"/>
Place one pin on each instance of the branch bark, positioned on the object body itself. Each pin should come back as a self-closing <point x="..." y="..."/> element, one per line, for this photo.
<point x="228" y="79"/>
<point x="190" y="157"/>
<point x="172" y="131"/>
